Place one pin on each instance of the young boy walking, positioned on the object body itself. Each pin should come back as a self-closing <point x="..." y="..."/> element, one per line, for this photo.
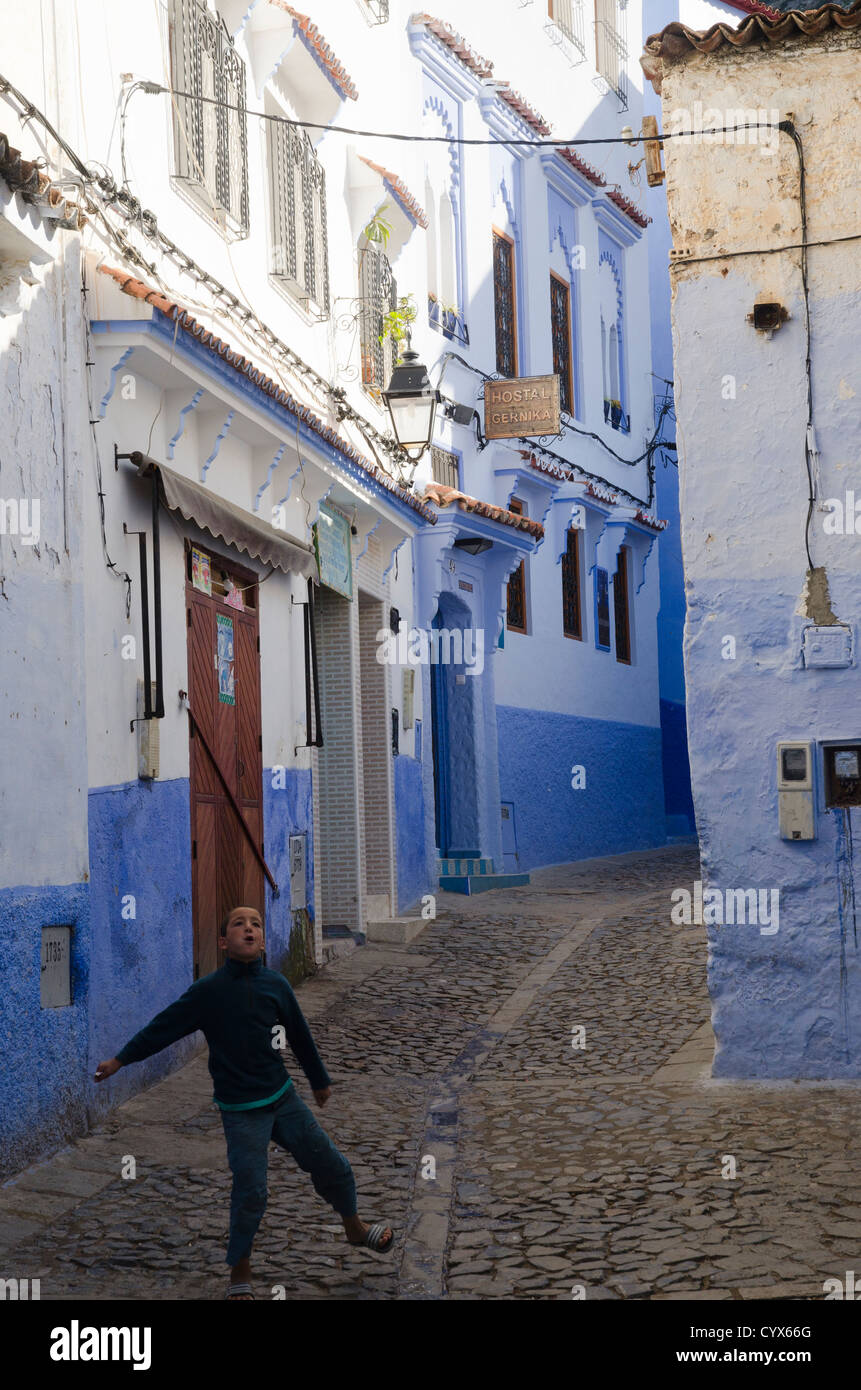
<point x="243" y="1011"/>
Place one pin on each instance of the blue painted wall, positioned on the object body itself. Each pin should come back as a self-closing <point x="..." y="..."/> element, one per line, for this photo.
<point x="140" y="844"/>
<point x="619" y="809"/>
<point x="43" y="1052"/>
<point x="678" y="797"/>
<point x="287" y="811"/>
<point x="415" y="874"/>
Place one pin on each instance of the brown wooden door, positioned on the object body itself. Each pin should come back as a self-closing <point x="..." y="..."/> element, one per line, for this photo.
<point x="224" y="871"/>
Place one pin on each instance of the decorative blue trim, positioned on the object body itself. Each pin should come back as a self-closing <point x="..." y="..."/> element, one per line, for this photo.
<point x="440" y="63"/>
<point x="244" y="20"/>
<point x="615" y="223"/>
<point x="112" y="383"/>
<point x="273" y="465"/>
<point x="390" y="566"/>
<point x="181" y="424"/>
<point x="364" y="551"/>
<point x="294" y="474"/>
<point x="217" y="445"/>
<point x="564" y="179"/>
<point x="188" y="349"/>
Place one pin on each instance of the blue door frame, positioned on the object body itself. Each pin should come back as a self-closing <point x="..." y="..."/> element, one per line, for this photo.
<point x="439" y="722"/>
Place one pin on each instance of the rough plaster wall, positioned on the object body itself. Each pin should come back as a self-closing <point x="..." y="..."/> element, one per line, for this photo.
<point x="787" y="1004"/>
<point x="41" y="601"/>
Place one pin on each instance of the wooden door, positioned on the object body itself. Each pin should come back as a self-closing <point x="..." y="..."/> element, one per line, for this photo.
<point x="225" y="872"/>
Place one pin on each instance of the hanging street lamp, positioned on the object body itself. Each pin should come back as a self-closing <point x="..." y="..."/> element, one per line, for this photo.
<point x="411" y="403"/>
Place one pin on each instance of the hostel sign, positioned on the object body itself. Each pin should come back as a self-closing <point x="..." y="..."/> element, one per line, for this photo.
<point x="523" y="406"/>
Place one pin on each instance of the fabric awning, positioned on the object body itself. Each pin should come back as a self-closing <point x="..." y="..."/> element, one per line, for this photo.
<point x="228" y="522"/>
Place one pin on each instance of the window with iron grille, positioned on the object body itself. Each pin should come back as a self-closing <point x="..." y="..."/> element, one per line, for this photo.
<point x="444" y="467"/>
<point x="611" y="50"/>
<point x="210" y="148"/>
<point x="504" y="305"/>
<point x="560" y="325"/>
<point x="572" y="622"/>
<point x="516" y="588"/>
<point x="378" y="294"/>
<point x="602" y="610"/>
<point x="378" y="10"/>
<point x="298" y="201"/>
<point x="567" y="16"/>
<point x="620" y="608"/>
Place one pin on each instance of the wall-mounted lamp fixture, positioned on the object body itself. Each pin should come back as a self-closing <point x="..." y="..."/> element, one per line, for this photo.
<point x="473" y="545"/>
<point x="412" y="403"/>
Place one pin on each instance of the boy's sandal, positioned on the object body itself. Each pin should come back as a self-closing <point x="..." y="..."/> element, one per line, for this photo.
<point x="374" y="1239"/>
<point x="238" y="1290"/>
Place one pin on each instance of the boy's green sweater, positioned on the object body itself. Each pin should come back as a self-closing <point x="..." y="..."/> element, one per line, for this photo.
<point x="238" y="1009"/>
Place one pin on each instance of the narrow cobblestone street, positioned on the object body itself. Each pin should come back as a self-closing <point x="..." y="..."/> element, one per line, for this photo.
<point x="556" y="1165"/>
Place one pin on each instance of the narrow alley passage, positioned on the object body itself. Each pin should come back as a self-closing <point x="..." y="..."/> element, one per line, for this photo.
<point x="549" y="1049"/>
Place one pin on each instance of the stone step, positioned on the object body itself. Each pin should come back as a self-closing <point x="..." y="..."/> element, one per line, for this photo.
<point x="396" y="929"/>
<point x="460" y="867"/>
<point x="481" y="883"/>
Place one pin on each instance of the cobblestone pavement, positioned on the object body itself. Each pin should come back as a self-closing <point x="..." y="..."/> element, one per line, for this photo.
<point x="557" y="1167"/>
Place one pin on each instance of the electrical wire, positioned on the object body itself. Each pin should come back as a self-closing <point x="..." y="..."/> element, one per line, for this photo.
<point x="155" y="88"/>
<point x="93" y="419"/>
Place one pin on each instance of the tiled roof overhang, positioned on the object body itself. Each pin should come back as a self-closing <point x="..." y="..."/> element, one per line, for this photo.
<point x="325" y="55"/>
<point x="137" y="289"/>
<point x="630" y="209"/>
<point x="398" y="189"/>
<point x="677" y="41"/>
<point x="587" y="170"/>
<point x="527" y="113"/>
<point x="445" y="496"/>
<point x="456" y="43"/>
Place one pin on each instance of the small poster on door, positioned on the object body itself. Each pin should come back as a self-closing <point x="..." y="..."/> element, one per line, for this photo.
<point x="224" y="664"/>
<point x="201" y="577"/>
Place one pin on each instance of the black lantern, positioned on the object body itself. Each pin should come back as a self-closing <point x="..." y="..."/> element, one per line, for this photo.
<point x="412" y="404"/>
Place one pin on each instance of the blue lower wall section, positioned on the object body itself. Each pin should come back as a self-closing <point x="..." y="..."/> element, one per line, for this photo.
<point x="287" y="810"/>
<point x="43" y="1052"/>
<point x="621" y="806"/>
<point x="678" y="799"/>
<point x="414" y="872"/>
<point x="140" y="845"/>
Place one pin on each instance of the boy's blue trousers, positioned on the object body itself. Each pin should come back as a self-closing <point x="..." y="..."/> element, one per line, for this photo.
<point x="291" y="1125"/>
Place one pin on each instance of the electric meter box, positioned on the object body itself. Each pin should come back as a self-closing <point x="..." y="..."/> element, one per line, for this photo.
<point x="795" y="791"/>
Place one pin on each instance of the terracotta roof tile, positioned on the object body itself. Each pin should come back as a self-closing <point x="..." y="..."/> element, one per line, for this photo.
<point x="526" y="112"/>
<point x="399" y="190"/>
<point x="602" y="493"/>
<point x="175" y="311"/>
<point x="319" y="47"/>
<point x="445" y="496"/>
<point x="649" y="519"/>
<point x="24" y="176"/>
<point x="482" y="67"/>
<point x="630" y="209"/>
<point x="588" y="172"/>
<point x="676" y="41"/>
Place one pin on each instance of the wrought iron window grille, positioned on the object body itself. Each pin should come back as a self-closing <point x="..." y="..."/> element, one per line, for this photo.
<point x="560" y="325"/>
<point x="300" y="247"/>
<point x="378" y="295"/>
<point x="611" y="49"/>
<point x="565" y="26"/>
<point x="378" y="9"/>
<point x="444" y="467"/>
<point x="210" y="141"/>
<point x="505" y="305"/>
